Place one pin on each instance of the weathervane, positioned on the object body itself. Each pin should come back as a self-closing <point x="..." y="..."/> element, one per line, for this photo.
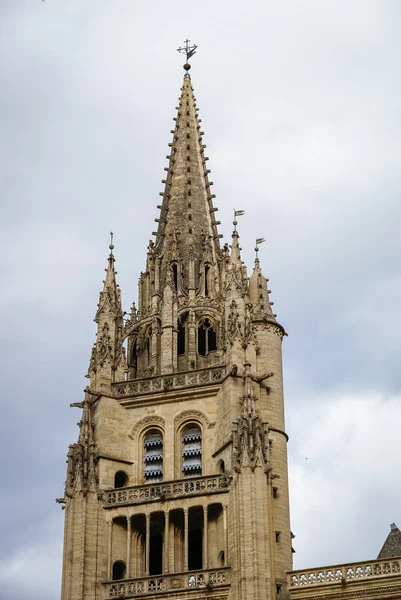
<point x="258" y="241"/>
<point x="189" y="51"/>
<point x="111" y="247"/>
<point x="237" y="213"/>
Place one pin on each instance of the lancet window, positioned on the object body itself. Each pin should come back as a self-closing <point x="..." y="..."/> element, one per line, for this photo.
<point x="174" y="268"/>
<point x="153" y="456"/>
<point x="192" y="451"/>
<point x="207" y="337"/>
<point x="182" y="334"/>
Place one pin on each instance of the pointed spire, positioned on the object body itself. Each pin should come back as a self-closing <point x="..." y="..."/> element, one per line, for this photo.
<point x="108" y="363"/>
<point x="392" y="545"/>
<point x="187" y="214"/>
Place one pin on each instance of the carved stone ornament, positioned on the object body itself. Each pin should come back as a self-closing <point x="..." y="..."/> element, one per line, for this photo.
<point x="82" y="473"/>
<point x="151" y="420"/>
<point x="188" y="415"/>
<point x="233" y="327"/>
<point x="250" y="433"/>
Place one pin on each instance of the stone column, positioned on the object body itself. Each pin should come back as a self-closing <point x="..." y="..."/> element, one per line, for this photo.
<point x="185" y="539"/>
<point x="225" y="534"/>
<point x="166" y="557"/>
<point x="128" y="572"/>
<point x="147" y="545"/>
<point x="110" y="526"/>
<point x="205" y="544"/>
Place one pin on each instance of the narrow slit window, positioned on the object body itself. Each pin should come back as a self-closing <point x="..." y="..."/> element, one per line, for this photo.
<point x="174" y="267"/>
<point x="207" y="275"/>
<point x="275" y="492"/>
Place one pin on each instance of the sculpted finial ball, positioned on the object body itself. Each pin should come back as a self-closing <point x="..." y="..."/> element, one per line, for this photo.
<point x="187" y="66"/>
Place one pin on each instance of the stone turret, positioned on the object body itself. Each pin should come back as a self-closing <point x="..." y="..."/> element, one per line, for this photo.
<point x="108" y="361"/>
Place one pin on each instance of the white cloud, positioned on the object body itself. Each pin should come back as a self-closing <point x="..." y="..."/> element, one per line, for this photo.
<point x="344" y="456"/>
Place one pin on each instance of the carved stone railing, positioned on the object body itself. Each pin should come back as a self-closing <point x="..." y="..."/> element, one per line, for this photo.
<point x="163" y="383"/>
<point x="138" y="494"/>
<point x="174" y="582"/>
<point x="344" y="574"/>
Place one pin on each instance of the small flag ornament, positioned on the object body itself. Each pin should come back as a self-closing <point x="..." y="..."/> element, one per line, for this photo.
<point x="258" y="241"/>
<point x="237" y="213"/>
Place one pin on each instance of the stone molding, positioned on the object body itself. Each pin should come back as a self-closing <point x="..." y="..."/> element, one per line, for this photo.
<point x="207" y="579"/>
<point x="166" y="383"/>
<point x="151" y="420"/>
<point x="344" y="574"/>
<point x="190" y="415"/>
<point x="157" y="492"/>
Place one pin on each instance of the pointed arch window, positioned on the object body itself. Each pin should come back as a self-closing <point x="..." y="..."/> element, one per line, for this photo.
<point x="149" y="346"/>
<point x="207" y="337"/>
<point x="182" y="334"/>
<point x="153" y="456"/>
<point x="191" y="440"/>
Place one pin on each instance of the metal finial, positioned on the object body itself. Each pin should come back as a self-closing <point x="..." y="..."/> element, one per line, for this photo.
<point x="237" y="213"/>
<point x="189" y="51"/>
<point x="258" y="242"/>
<point x="111" y="247"/>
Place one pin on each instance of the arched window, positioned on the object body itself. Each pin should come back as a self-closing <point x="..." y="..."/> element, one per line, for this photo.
<point x="221" y="466"/>
<point x="153" y="457"/>
<point x="207" y="338"/>
<point x="182" y="331"/>
<point x="120" y="479"/>
<point x="191" y="440"/>
<point x="119" y="570"/>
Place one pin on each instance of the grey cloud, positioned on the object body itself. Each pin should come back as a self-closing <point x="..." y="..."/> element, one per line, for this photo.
<point x="300" y="107"/>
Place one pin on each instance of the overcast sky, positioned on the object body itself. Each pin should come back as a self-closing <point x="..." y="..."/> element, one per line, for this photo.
<point x="300" y="104"/>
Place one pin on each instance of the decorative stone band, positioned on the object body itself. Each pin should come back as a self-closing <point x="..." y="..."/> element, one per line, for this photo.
<point x="175" y="582"/>
<point x="151" y="385"/>
<point x="138" y="494"/>
<point x="344" y="574"/>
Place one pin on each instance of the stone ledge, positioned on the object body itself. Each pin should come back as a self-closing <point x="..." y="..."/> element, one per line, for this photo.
<point x="208" y="579"/>
<point x="180" y="488"/>
<point x="165" y="383"/>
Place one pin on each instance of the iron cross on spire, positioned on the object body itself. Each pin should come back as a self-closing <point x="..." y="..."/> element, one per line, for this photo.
<point x="187" y="49"/>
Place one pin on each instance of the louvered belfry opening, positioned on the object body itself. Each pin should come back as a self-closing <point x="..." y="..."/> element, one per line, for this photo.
<point x="192" y="451"/>
<point x="153" y="457"/>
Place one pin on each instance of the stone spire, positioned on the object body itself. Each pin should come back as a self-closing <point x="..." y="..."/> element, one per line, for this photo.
<point x="259" y="295"/>
<point x="392" y="545"/>
<point x="108" y="362"/>
<point x="187" y="228"/>
<point x="181" y="287"/>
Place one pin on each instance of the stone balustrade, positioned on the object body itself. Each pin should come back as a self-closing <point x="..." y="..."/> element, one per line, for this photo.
<point x="174" y="582"/>
<point x="344" y="574"/>
<point x="138" y="494"/>
<point x="163" y="383"/>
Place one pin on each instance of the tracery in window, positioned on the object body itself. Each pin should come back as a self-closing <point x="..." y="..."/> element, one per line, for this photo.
<point x="191" y="440"/>
<point x="153" y="456"/>
<point x="207" y="338"/>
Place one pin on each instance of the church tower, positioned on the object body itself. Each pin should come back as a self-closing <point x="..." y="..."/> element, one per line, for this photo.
<point x="178" y="487"/>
